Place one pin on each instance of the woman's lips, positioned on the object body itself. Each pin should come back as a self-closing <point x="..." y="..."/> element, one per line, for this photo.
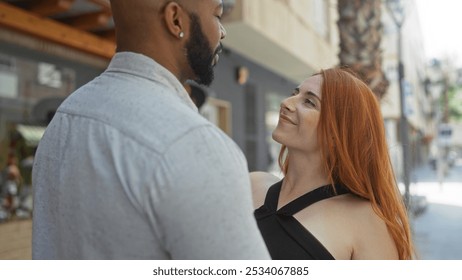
<point x="286" y="118"/>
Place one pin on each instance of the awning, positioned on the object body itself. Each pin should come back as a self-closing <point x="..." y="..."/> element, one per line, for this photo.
<point x="31" y="134"/>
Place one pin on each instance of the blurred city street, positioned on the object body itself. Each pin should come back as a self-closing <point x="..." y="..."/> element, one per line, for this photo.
<point x="438" y="229"/>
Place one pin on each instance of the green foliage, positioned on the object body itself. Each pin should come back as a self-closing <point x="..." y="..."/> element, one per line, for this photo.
<point x="455" y="104"/>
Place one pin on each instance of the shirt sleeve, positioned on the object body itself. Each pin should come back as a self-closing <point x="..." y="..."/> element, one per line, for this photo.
<point x="207" y="212"/>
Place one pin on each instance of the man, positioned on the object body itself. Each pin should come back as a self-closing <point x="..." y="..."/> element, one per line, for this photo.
<point x="128" y="169"/>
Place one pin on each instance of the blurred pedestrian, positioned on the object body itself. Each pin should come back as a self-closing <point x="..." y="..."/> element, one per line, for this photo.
<point x="338" y="198"/>
<point x="10" y="183"/>
<point x="128" y="169"/>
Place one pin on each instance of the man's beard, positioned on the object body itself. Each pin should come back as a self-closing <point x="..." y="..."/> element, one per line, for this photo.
<point x="200" y="54"/>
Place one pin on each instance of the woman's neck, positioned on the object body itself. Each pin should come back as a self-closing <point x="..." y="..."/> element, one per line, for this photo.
<point x="305" y="173"/>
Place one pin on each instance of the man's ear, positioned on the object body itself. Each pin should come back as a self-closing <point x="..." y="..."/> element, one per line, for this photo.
<point x="174" y="17"/>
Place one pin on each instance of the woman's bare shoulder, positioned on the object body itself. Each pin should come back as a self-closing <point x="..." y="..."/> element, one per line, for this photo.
<point x="261" y="181"/>
<point x="371" y="238"/>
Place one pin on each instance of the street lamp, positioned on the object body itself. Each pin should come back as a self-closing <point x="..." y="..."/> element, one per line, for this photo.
<point x="396" y="10"/>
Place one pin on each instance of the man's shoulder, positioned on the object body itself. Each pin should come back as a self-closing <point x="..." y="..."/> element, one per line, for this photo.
<point x="153" y="118"/>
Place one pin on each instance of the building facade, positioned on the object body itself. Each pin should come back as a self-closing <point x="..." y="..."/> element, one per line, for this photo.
<point x="46" y="52"/>
<point x="279" y="44"/>
<point x="416" y="100"/>
<point x="271" y="46"/>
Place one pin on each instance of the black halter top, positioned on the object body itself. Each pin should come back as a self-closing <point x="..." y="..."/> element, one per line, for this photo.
<point x="285" y="237"/>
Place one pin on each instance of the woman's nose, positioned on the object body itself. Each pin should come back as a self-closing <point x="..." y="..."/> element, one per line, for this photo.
<point x="288" y="104"/>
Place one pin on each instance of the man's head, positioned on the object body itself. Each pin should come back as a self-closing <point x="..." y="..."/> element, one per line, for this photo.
<point x="201" y="56"/>
<point x="182" y="35"/>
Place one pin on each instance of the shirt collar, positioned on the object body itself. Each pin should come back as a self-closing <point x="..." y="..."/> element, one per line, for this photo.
<point x="145" y="67"/>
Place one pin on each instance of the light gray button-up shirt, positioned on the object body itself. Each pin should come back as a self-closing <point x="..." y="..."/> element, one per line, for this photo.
<point x="128" y="169"/>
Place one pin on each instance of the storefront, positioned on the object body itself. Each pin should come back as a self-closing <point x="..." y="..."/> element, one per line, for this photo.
<point x="34" y="80"/>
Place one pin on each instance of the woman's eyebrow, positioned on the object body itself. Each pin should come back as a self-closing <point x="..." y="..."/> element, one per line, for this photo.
<point x="297" y="90"/>
<point x="312" y="94"/>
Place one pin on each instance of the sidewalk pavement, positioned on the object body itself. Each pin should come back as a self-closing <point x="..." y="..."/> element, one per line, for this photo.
<point x="438" y="230"/>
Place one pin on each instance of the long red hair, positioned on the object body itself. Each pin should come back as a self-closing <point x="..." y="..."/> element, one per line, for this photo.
<point x="355" y="152"/>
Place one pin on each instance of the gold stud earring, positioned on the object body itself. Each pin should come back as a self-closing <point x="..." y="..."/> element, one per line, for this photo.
<point x="181" y="34"/>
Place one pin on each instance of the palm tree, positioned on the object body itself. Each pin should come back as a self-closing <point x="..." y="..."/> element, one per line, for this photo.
<point x="360" y="29"/>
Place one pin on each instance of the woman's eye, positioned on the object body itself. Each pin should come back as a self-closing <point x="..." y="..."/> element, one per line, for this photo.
<point x="310" y="102"/>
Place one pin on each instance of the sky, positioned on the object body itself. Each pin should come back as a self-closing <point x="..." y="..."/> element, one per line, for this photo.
<point x="441" y="22"/>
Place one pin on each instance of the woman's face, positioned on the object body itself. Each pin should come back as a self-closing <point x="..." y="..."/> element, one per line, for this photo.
<point x="299" y="117"/>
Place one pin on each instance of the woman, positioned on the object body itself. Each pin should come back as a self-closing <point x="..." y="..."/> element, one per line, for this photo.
<point x="338" y="198"/>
